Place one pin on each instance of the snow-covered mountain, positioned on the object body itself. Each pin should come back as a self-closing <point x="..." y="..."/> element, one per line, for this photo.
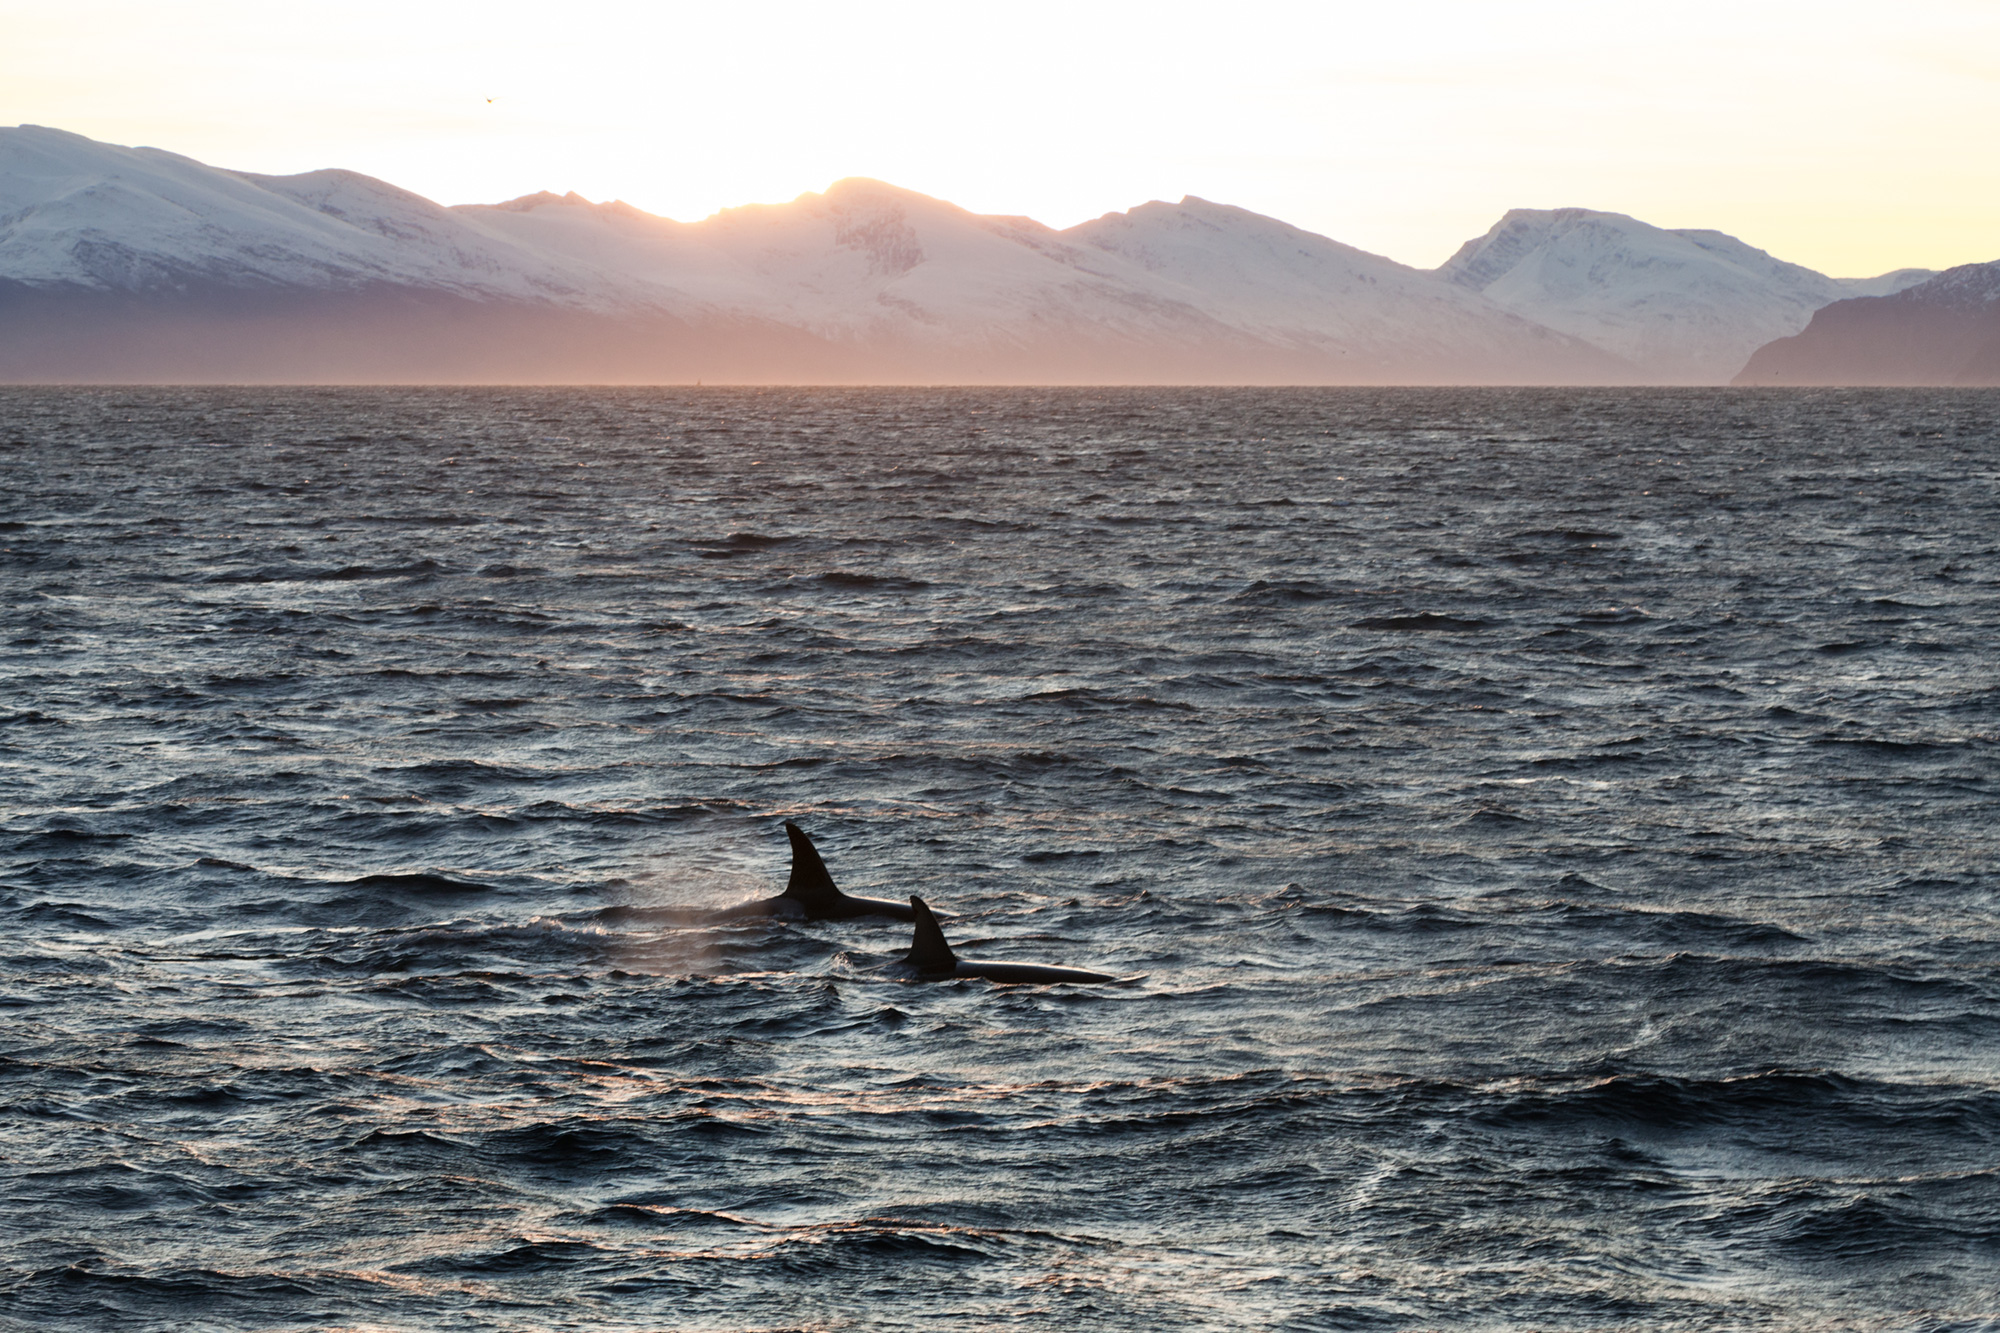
<point x="77" y="212"/>
<point x="1685" y="306"/>
<point x="870" y="264"/>
<point x="1293" y="288"/>
<point x="134" y="263"/>
<point x="865" y="281"/>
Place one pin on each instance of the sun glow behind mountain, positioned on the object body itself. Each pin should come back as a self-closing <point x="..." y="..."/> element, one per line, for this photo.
<point x="1838" y="134"/>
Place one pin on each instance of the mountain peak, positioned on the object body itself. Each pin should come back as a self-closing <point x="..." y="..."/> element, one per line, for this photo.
<point x="1520" y="232"/>
<point x="866" y="191"/>
<point x="1559" y="217"/>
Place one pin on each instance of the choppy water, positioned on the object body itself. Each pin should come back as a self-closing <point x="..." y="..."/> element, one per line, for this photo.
<point x="1558" y="831"/>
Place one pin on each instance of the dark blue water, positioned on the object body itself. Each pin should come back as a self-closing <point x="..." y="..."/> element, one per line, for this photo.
<point x="1557" y="831"/>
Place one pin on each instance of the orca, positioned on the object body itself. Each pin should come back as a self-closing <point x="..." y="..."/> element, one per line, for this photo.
<point x="934" y="961"/>
<point x="811" y="895"/>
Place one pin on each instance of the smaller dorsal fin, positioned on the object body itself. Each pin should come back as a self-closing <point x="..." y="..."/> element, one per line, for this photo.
<point x="810" y="884"/>
<point x="928" y="951"/>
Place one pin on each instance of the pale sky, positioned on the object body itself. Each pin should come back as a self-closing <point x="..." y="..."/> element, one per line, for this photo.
<point x="1851" y="137"/>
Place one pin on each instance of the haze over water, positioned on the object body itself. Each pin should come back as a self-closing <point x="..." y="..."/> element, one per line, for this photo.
<point x="1556" y="829"/>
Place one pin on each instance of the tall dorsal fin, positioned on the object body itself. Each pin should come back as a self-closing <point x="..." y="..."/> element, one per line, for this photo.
<point x="809" y="884"/>
<point x="928" y="951"/>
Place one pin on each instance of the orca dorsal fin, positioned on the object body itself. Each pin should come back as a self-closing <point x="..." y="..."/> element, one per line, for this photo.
<point x="928" y="951"/>
<point x="810" y="884"/>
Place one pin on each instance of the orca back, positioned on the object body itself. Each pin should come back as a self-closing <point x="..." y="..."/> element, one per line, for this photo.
<point x="810" y="885"/>
<point x="929" y="953"/>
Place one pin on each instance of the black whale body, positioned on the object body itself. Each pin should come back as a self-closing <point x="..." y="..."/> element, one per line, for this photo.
<point x="933" y="960"/>
<point x="811" y="895"/>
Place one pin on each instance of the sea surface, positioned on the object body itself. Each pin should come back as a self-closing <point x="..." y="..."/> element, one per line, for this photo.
<point x="1554" y="834"/>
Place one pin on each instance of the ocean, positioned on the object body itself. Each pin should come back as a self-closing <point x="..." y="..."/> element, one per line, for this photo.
<point x="1552" y="832"/>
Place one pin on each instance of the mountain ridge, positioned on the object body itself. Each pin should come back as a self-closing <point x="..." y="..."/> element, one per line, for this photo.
<point x="159" y="265"/>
